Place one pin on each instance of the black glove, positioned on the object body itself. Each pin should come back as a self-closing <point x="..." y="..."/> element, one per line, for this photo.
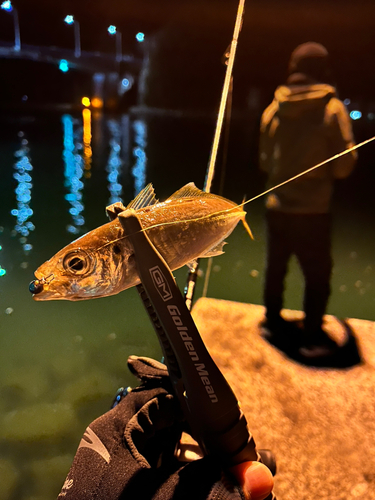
<point x="129" y="452"/>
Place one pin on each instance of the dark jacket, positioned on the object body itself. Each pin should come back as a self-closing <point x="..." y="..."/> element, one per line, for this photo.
<point x="302" y="127"/>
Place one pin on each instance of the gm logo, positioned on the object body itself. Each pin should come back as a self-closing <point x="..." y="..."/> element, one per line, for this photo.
<point x="160" y="283"/>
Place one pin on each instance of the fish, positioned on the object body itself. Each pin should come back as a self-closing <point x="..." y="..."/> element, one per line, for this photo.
<point x="188" y="225"/>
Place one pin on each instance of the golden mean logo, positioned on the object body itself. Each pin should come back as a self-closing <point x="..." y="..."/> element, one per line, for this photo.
<point x="160" y="283"/>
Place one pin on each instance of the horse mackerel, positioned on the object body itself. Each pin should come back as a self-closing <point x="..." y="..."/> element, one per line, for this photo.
<point x="188" y="225"/>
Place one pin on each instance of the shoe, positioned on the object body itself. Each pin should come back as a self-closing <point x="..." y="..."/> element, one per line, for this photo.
<point x="274" y="326"/>
<point x="318" y="337"/>
<point x="317" y="344"/>
<point x="283" y="334"/>
<point x="317" y="351"/>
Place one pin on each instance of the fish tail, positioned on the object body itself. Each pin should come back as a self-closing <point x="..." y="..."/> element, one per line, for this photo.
<point x="244" y="222"/>
<point x="247" y="227"/>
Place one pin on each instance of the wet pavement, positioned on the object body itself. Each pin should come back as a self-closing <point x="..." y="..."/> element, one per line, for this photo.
<point x="318" y="421"/>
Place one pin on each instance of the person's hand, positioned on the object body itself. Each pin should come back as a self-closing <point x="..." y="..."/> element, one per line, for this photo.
<point x="130" y="452"/>
<point x="255" y="479"/>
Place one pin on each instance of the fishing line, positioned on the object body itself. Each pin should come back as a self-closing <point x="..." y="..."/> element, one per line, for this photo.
<point x="338" y="155"/>
<point x="226" y="212"/>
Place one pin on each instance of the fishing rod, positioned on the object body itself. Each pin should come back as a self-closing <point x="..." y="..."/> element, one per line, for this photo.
<point x="224" y="97"/>
<point x="228" y="83"/>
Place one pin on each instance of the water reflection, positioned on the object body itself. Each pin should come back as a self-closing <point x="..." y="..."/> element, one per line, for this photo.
<point x="114" y="164"/>
<point x="73" y="173"/>
<point x="139" y="154"/>
<point x="87" y="151"/>
<point x="23" y="212"/>
<point x="51" y="379"/>
<point x="2" y="270"/>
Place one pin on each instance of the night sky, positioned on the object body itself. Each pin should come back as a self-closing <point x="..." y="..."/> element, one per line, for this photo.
<point x="194" y="34"/>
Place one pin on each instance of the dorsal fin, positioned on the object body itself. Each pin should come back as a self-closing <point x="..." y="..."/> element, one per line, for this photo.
<point x="144" y="198"/>
<point x="190" y="191"/>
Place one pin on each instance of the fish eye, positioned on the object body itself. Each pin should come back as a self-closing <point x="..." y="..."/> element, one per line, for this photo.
<point x="77" y="262"/>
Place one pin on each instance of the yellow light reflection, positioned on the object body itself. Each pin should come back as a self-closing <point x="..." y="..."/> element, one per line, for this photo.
<point x="87" y="151"/>
<point x="86" y="101"/>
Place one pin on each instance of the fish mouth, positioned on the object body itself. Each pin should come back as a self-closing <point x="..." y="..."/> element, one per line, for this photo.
<point x="52" y="288"/>
<point x="39" y="288"/>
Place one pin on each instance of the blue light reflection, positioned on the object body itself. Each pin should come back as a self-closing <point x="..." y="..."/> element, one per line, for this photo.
<point x="23" y="212"/>
<point x="73" y="172"/>
<point x="114" y="165"/>
<point x="139" y="154"/>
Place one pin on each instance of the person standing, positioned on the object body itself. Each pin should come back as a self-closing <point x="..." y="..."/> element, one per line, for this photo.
<point x="304" y="125"/>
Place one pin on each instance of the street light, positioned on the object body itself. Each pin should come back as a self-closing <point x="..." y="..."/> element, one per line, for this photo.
<point x="112" y="30"/>
<point x="77" y="35"/>
<point x="8" y="7"/>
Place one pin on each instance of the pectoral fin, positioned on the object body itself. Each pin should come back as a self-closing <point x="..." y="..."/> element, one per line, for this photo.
<point x="216" y="250"/>
<point x="213" y="252"/>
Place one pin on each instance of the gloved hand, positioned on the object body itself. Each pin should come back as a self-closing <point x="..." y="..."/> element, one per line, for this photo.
<point x="129" y="452"/>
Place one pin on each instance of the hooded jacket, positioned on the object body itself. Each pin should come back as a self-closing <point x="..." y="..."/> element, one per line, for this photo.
<point x="303" y="126"/>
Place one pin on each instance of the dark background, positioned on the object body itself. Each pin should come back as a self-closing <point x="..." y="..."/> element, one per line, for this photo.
<point x="186" y="41"/>
<point x="190" y="37"/>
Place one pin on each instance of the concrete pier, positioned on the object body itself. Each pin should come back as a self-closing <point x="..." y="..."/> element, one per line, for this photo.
<point x="319" y="422"/>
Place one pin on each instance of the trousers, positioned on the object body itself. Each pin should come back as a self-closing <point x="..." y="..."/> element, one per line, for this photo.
<point x="308" y="237"/>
